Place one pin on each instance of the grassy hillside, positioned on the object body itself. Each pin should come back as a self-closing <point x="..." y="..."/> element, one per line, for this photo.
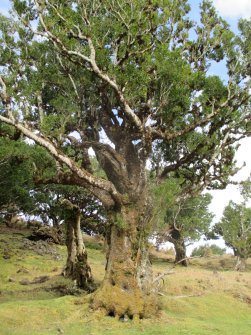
<point x="205" y="298"/>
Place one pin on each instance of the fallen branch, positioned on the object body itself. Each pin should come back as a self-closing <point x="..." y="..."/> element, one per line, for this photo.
<point x="180" y="296"/>
<point x="170" y="270"/>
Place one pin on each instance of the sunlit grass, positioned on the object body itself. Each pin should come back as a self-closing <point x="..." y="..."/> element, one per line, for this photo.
<point x="195" y="300"/>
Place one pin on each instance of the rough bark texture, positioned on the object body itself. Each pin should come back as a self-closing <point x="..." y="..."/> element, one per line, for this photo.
<point x="77" y="266"/>
<point x="180" y="253"/>
<point x="126" y="289"/>
<point x="240" y="263"/>
<point x="175" y="237"/>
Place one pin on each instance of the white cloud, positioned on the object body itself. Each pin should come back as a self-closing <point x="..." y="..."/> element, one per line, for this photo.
<point x="234" y="8"/>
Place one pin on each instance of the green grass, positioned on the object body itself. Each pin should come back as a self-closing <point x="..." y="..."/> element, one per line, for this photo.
<point x="210" y="314"/>
<point x="194" y="316"/>
<point x="195" y="301"/>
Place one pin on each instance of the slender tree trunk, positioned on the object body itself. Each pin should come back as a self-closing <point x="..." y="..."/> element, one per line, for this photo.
<point x="126" y="289"/>
<point x="77" y="266"/>
<point x="240" y="263"/>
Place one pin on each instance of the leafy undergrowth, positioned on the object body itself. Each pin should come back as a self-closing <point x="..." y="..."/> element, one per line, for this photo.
<point x="201" y="299"/>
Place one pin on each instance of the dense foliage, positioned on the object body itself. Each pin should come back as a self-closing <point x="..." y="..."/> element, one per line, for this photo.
<point x="186" y="220"/>
<point x="131" y="81"/>
<point x="208" y="250"/>
<point x="235" y="226"/>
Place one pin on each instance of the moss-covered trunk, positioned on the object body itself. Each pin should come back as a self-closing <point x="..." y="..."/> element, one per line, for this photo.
<point x="126" y="289"/>
<point x="77" y="266"/>
<point x="180" y="252"/>
<point x="179" y="246"/>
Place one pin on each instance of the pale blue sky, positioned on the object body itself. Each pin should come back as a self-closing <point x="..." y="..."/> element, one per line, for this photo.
<point x="230" y="9"/>
<point x="4" y="6"/>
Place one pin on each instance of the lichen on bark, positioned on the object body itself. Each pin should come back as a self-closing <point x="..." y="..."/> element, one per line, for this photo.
<point x="77" y="266"/>
<point x="126" y="288"/>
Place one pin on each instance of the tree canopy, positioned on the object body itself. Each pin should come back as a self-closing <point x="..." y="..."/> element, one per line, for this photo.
<point x="182" y="220"/>
<point x="130" y="71"/>
<point x="235" y="226"/>
<point x="131" y="81"/>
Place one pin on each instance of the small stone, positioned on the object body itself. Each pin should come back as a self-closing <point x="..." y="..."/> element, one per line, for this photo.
<point x="11" y="280"/>
<point x="6" y="256"/>
<point x="23" y="270"/>
<point x="39" y="280"/>
<point x="124" y="318"/>
<point x="24" y="282"/>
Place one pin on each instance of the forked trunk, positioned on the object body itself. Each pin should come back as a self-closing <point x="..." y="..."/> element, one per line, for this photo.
<point x="77" y="266"/>
<point x="126" y="289"/>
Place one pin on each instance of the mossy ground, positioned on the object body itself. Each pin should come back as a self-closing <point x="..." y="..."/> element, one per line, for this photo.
<point x="205" y="298"/>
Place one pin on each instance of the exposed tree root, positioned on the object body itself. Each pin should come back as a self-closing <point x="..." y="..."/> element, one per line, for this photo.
<point x="124" y="302"/>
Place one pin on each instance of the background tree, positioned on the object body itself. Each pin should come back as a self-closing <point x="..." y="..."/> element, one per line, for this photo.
<point x="235" y="227"/>
<point x="24" y="193"/>
<point x="15" y="179"/>
<point x="208" y="250"/>
<point x="131" y="72"/>
<point x="185" y="222"/>
<point x="77" y="211"/>
<point x="77" y="266"/>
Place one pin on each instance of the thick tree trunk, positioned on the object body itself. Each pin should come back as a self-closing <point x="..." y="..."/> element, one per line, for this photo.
<point x="240" y="263"/>
<point x="8" y="219"/>
<point x="176" y="238"/>
<point x="77" y="266"/>
<point x="126" y="289"/>
<point x="180" y="252"/>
